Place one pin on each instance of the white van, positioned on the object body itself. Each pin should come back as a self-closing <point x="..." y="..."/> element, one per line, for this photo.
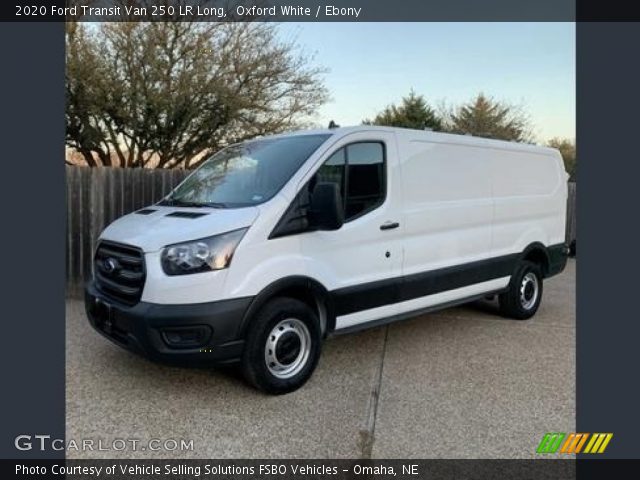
<point x="273" y="244"/>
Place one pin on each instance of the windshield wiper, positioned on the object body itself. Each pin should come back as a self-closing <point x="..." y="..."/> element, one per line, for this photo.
<point x="174" y="202"/>
<point x="214" y="204"/>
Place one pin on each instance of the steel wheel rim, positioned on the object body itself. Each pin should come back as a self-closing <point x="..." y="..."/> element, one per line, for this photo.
<point x="529" y="291"/>
<point x="287" y="348"/>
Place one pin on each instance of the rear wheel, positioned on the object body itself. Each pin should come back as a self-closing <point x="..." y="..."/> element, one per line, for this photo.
<point x="282" y="347"/>
<point x="523" y="298"/>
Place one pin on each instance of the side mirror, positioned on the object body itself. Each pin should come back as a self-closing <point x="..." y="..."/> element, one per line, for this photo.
<point x="325" y="209"/>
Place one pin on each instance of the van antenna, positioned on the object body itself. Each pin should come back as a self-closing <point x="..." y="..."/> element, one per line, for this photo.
<point x="333" y="125"/>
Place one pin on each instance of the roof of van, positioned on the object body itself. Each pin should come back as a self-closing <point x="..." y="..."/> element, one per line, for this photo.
<point x="430" y="136"/>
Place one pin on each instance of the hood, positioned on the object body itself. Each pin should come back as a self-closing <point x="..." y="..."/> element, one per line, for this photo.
<point x="155" y="227"/>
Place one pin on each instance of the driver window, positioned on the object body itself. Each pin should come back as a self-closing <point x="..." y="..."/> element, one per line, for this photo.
<point x="333" y="170"/>
<point x="358" y="169"/>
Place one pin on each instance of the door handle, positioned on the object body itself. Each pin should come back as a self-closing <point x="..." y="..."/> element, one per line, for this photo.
<point x="389" y="225"/>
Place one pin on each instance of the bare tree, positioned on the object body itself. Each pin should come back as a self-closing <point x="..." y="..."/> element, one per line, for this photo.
<point x="167" y="94"/>
<point x="85" y="130"/>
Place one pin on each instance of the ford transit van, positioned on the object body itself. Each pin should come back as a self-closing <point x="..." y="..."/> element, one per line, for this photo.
<point x="274" y="244"/>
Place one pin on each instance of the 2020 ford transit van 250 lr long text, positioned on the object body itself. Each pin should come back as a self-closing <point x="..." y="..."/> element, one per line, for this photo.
<point x="273" y="244"/>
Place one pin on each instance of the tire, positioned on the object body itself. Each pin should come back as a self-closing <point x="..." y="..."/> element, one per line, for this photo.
<point x="523" y="298"/>
<point x="282" y="346"/>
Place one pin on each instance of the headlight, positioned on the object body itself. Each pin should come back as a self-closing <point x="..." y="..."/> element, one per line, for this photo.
<point x="204" y="255"/>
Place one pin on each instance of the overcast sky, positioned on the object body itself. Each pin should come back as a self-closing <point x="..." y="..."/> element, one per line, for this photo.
<point x="374" y="64"/>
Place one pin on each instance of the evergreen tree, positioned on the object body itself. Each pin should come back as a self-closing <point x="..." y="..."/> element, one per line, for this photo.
<point x="486" y="117"/>
<point x="568" y="151"/>
<point x="413" y="112"/>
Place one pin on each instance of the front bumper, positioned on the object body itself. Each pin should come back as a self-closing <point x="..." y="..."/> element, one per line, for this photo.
<point x="151" y="329"/>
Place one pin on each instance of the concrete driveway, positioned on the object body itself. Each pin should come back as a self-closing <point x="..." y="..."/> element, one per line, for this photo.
<point x="461" y="383"/>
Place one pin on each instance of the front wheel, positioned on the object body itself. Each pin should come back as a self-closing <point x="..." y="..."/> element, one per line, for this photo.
<point x="523" y="298"/>
<point x="282" y="347"/>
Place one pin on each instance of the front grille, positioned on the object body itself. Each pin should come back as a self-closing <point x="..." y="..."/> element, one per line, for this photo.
<point x="119" y="272"/>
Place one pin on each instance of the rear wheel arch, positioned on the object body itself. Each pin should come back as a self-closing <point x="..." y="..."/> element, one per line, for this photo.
<point x="537" y="253"/>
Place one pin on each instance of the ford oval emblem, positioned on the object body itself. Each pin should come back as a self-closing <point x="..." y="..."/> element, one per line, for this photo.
<point x="110" y="265"/>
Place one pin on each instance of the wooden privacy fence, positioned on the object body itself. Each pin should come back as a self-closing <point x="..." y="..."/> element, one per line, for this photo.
<point x="97" y="196"/>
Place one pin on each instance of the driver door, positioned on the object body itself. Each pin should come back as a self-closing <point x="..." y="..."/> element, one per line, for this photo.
<point x="361" y="262"/>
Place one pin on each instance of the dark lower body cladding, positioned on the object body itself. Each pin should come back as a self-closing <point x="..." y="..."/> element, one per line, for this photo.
<point x="208" y="334"/>
<point x="558" y="255"/>
<point x="205" y="334"/>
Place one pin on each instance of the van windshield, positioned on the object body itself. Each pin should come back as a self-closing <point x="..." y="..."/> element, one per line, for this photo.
<point x="245" y="174"/>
